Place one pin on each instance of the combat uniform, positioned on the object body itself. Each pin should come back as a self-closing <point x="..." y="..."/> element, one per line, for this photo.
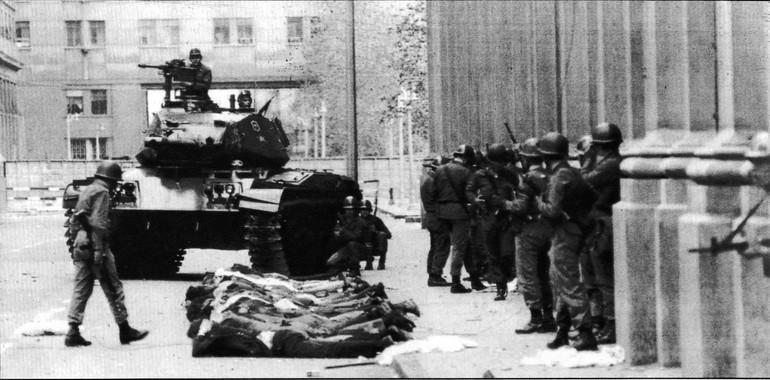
<point x="566" y="205"/>
<point x="377" y="240"/>
<point x="94" y="202"/>
<point x="489" y="188"/>
<point x="597" y="257"/>
<point x="351" y="247"/>
<point x="200" y="86"/>
<point x="448" y="190"/>
<point x="438" y="253"/>
<point x="532" y="245"/>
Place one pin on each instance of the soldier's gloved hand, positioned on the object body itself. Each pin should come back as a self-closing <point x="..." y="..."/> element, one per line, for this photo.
<point x="98" y="259"/>
<point x="82" y="240"/>
<point x="394" y="318"/>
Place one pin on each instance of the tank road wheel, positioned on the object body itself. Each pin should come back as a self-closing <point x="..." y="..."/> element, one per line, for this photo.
<point x="262" y="232"/>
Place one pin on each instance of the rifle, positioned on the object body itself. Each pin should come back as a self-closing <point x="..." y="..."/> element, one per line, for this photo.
<point x="515" y="157"/>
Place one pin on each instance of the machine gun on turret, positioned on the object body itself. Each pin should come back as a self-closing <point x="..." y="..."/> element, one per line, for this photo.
<point x="173" y="70"/>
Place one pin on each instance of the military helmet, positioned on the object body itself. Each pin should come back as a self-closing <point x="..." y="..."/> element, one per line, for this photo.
<point x="368" y="205"/>
<point x="195" y="53"/>
<point x="553" y="144"/>
<point x="497" y="153"/>
<point x="109" y="170"/>
<point x="606" y="133"/>
<point x="529" y="148"/>
<point x="349" y="203"/>
<point x="465" y="151"/>
<point x="584" y="144"/>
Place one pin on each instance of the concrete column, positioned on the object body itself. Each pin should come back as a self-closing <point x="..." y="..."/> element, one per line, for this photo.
<point x="634" y="229"/>
<point x="433" y="10"/>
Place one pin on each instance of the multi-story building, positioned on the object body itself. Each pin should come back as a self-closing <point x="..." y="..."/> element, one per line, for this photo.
<point x="11" y="143"/>
<point x="81" y="90"/>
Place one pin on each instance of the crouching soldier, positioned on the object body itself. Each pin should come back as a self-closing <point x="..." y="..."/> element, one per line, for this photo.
<point x="349" y="235"/>
<point x="89" y="227"/>
<point x="378" y="233"/>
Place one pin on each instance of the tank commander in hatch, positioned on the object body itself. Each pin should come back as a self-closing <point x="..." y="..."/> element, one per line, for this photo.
<point x="202" y="79"/>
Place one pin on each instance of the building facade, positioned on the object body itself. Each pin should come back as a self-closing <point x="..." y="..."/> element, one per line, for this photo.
<point x="81" y="89"/>
<point x="689" y="85"/>
<point x="11" y="123"/>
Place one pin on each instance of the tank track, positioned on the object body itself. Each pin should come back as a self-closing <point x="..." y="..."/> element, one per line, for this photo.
<point x="262" y="232"/>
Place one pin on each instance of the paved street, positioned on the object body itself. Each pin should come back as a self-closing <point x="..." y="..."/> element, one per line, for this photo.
<point x="35" y="279"/>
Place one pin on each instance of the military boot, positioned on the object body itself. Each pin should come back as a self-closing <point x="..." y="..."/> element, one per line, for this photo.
<point x="73" y="338"/>
<point x="369" y="265"/>
<point x="476" y="283"/>
<point x="457" y="286"/>
<point x="561" y="338"/>
<point x="535" y="323"/>
<point x="502" y="291"/>
<point x="437" y="280"/>
<point x="586" y="341"/>
<point x="129" y="334"/>
<point x="597" y="323"/>
<point x="549" y="324"/>
<point x="607" y="335"/>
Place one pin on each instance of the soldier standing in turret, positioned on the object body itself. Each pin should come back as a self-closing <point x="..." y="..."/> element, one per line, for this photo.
<point x="202" y="81"/>
<point x="603" y="174"/>
<point x="489" y="188"/>
<point x="566" y="204"/>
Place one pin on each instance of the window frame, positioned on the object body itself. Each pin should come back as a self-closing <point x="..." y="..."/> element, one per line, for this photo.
<point x="91" y="29"/>
<point x="244" y="22"/>
<point x="295" y="40"/>
<point x="94" y="99"/>
<point x="20" y="41"/>
<point x="68" y="26"/>
<point x="218" y="23"/>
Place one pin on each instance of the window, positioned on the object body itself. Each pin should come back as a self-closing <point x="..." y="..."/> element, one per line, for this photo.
<point x="147" y="34"/>
<point x="221" y="31"/>
<point x="159" y="32"/>
<point x="74" y="37"/>
<point x="74" y="105"/>
<point x="96" y="32"/>
<point x="79" y="149"/>
<point x="245" y="30"/>
<point x="169" y="32"/>
<point x="295" y="29"/>
<point x="22" y="34"/>
<point x="99" y="102"/>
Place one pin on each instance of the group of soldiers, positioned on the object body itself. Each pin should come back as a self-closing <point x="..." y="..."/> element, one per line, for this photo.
<point x="359" y="235"/>
<point x="529" y="214"/>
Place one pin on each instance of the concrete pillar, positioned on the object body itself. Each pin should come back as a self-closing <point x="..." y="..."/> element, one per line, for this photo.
<point x="433" y="10"/>
<point x="634" y="229"/>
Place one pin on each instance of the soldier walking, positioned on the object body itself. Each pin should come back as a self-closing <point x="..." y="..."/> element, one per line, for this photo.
<point x="489" y="189"/>
<point x="453" y="210"/>
<point x="566" y="204"/>
<point x="89" y="231"/>
<point x="438" y="253"/>
<point x="602" y="172"/>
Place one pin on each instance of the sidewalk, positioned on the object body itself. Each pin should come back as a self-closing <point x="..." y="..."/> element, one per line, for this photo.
<point x="475" y="316"/>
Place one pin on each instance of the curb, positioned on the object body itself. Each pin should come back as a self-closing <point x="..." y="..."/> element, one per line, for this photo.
<point x="408" y="216"/>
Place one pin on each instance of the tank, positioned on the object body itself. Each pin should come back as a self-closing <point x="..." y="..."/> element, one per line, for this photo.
<point x="216" y="178"/>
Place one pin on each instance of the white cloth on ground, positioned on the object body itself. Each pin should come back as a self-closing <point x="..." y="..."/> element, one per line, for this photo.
<point x="568" y="357"/>
<point x="443" y="343"/>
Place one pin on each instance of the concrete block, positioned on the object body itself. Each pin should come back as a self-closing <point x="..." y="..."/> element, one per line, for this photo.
<point x="667" y="282"/>
<point x="634" y="228"/>
<point x="707" y="292"/>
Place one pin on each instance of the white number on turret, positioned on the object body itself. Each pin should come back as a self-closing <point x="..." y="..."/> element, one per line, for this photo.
<point x="255" y="126"/>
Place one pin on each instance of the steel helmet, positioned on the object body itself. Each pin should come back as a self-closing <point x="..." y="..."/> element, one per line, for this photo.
<point x="584" y="144"/>
<point x="368" y="205"/>
<point x="349" y="203"/>
<point x="109" y="170"/>
<point x="497" y="153"/>
<point x="606" y="133"/>
<point x="529" y="148"/>
<point x="465" y="151"/>
<point x="553" y="144"/>
<point x="195" y="53"/>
